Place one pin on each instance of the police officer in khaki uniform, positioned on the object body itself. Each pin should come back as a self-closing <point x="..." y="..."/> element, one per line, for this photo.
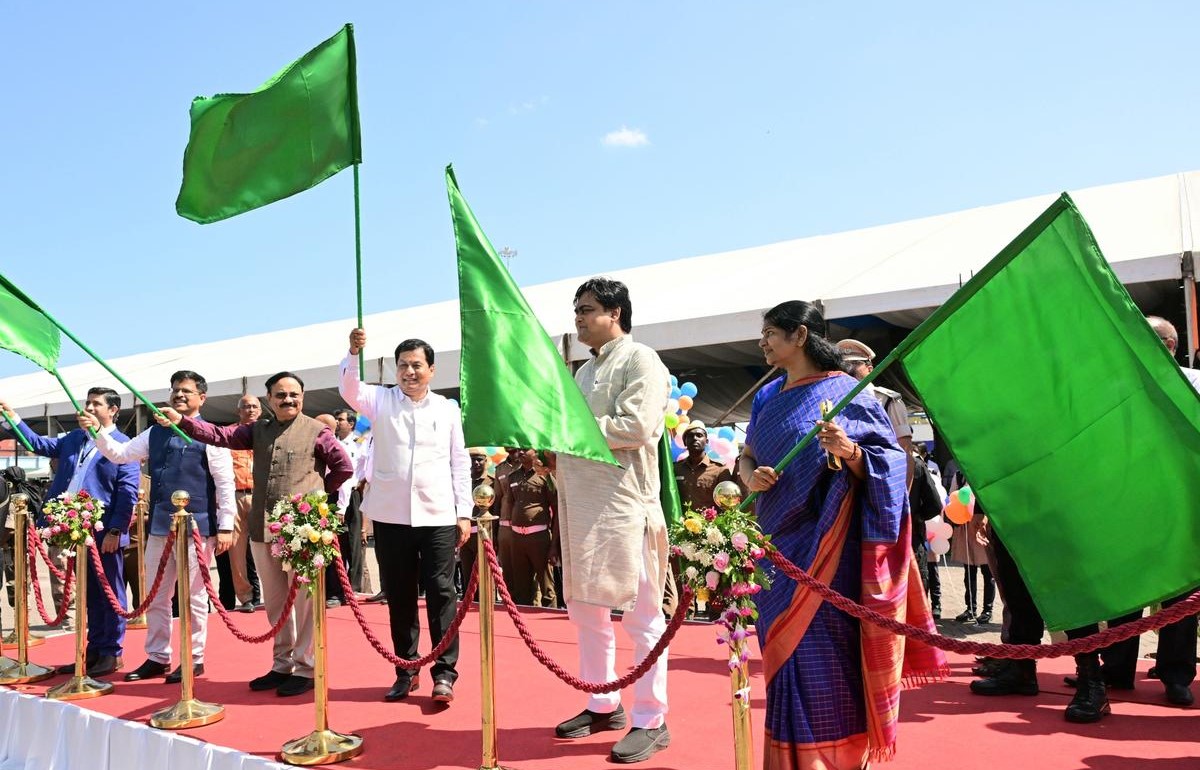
<point x="469" y="550"/>
<point x="527" y="504"/>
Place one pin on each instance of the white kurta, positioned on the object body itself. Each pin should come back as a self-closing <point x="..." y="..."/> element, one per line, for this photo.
<point x="608" y="513"/>
<point x="420" y="469"/>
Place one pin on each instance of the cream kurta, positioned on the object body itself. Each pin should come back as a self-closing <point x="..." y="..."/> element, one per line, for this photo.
<point x="606" y="512"/>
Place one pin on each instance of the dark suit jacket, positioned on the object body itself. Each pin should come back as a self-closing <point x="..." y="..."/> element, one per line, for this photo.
<point x="116" y="486"/>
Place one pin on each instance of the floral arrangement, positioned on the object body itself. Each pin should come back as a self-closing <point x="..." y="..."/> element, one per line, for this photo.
<point x="302" y="531"/>
<point x="72" y="519"/>
<point x="720" y="551"/>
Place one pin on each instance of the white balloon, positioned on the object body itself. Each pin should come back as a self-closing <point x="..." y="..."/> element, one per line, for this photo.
<point x="939" y="546"/>
<point x="945" y="531"/>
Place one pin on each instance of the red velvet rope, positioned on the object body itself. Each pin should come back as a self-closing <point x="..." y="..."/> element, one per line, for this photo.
<point x="408" y="665"/>
<point x="543" y="657"/>
<point x="284" y="615"/>
<point x="35" y="542"/>
<point x="102" y="579"/>
<point x="1189" y="606"/>
<point x="68" y="588"/>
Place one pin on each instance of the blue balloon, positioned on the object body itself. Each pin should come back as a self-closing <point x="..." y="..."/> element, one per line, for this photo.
<point x="362" y="424"/>
<point x="688" y="389"/>
<point x="726" y="433"/>
<point x="676" y="393"/>
<point x="674" y="381"/>
<point x="678" y="453"/>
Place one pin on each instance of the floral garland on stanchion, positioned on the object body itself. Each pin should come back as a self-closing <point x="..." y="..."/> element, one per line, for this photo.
<point x="304" y="530"/>
<point x="719" y="551"/>
<point x="226" y="618"/>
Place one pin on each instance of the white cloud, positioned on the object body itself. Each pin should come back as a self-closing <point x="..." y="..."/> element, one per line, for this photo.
<point x="626" y="137"/>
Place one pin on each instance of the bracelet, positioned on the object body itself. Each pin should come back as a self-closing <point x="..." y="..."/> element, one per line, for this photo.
<point x="856" y="454"/>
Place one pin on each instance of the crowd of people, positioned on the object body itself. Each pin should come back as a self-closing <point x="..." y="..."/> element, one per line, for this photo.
<point x="586" y="536"/>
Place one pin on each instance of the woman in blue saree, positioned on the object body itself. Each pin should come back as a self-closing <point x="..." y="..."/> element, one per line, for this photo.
<point x="832" y="684"/>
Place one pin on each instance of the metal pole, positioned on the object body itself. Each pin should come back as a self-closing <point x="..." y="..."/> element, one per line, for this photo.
<point x="21" y="670"/>
<point x="139" y="521"/>
<point x="483" y="496"/>
<point x="80" y="685"/>
<point x="188" y="712"/>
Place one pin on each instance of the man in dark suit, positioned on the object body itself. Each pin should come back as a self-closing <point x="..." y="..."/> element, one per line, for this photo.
<point x="81" y="467"/>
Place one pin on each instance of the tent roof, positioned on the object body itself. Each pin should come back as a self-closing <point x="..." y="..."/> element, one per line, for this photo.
<point x="896" y="272"/>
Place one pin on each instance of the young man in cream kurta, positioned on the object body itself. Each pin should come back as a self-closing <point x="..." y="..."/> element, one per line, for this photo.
<point x="613" y="534"/>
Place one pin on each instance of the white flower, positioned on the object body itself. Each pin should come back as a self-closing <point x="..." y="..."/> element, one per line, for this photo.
<point x="692" y="573"/>
<point x="296" y="544"/>
<point x="714" y="536"/>
<point x="689" y="551"/>
<point x="705" y="558"/>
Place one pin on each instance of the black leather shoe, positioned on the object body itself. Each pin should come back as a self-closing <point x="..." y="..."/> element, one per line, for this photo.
<point x="105" y="665"/>
<point x="151" y="669"/>
<point x="1179" y="695"/>
<point x="587" y="722"/>
<point x="332" y="602"/>
<point x="294" y="685"/>
<point x="1090" y="703"/>
<point x="401" y="688"/>
<point x="1017" y="677"/>
<point x="176" y="676"/>
<point x="443" y="691"/>
<point x="269" y="681"/>
<point x="640" y="744"/>
<point x="89" y="660"/>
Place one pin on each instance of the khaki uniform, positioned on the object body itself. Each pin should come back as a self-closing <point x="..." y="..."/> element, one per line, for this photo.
<point x="528" y="504"/>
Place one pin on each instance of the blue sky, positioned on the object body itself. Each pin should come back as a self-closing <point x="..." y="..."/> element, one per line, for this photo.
<point x="727" y="126"/>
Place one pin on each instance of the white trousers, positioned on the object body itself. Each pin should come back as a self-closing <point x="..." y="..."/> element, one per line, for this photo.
<point x="158" y="614"/>
<point x="644" y="625"/>
<point x="293" y="648"/>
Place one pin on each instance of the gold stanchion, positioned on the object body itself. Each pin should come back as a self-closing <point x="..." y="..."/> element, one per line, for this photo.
<point x="188" y="712"/>
<point x="728" y="495"/>
<point x="21" y="670"/>
<point x="11" y="640"/>
<point x="80" y="685"/>
<point x="322" y="746"/>
<point x="483" y="496"/>
<point x="139" y="521"/>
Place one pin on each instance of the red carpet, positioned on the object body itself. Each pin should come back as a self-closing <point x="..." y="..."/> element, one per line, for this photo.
<point x="943" y="726"/>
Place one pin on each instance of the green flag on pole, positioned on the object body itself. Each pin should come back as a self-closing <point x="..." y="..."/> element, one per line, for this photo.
<point x="1074" y="426"/>
<point x="297" y="130"/>
<point x="515" y="388"/>
<point x="25" y="329"/>
<point x="668" y="492"/>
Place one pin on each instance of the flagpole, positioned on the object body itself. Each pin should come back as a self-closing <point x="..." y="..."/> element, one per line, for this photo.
<point x="12" y="426"/>
<point x="107" y="368"/>
<point x="356" y="139"/>
<point x="62" y="382"/>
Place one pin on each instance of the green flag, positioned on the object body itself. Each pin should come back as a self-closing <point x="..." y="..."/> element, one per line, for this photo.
<point x="1074" y="426"/>
<point x="668" y="492"/>
<point x="515" y="388"/>
<point x="25" y="329"/>
<point x="297" y="130"/>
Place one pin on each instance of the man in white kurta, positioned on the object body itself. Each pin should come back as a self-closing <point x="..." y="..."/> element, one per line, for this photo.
<point x="613" y="534"/>
<point x="419" y="499"/>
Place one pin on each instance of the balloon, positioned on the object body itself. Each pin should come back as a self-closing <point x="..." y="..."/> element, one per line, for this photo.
<point x="678" y="453"/>
<point x="944" y="530"/>
<point x="672" y="406"/>
<point x="726" y="432"/>
<point x="956" y="512"/>
<point x="671" y="420"/>
<point x="674" y="381"/>
<point x="362" y="424"/>
<point x="939" y="546"/>
<point x="677" y="440"/>
<point x="676" y="393"/>
<point x="936" y="521"/>
<point x="685" y="403"/>
<point x="688" y="389"/>
<point x="964" y="495"/>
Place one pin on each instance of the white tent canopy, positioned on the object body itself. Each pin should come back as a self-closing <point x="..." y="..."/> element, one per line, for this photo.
<point x="896" y="273"/>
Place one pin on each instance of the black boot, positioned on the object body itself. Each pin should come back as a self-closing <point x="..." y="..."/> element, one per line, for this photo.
<point x="1015" y="677"/>
<point x="1090" y="703"/>
<point x="985" y="616"/>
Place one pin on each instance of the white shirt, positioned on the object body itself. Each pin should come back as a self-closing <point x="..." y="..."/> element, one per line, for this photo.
<point x="87" y="456"/>
<point x="420" y="469"/>
<point x="1193" y="376"/>
<point x="220" y="466"/>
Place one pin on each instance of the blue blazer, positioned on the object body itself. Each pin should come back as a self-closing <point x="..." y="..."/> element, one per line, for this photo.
<point x="114" y="485"/>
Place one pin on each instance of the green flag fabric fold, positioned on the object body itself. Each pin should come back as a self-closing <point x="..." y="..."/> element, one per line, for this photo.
<point x="668" y="491"/>
<point x="25" y="329"/>
<point x="1074" y="426"/>
<point x="515" y="388"/>
<point x="298" y="129"/>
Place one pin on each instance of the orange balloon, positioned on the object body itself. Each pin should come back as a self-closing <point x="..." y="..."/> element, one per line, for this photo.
<point x="957" y="512"/>
<point x="685" y="403"/>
